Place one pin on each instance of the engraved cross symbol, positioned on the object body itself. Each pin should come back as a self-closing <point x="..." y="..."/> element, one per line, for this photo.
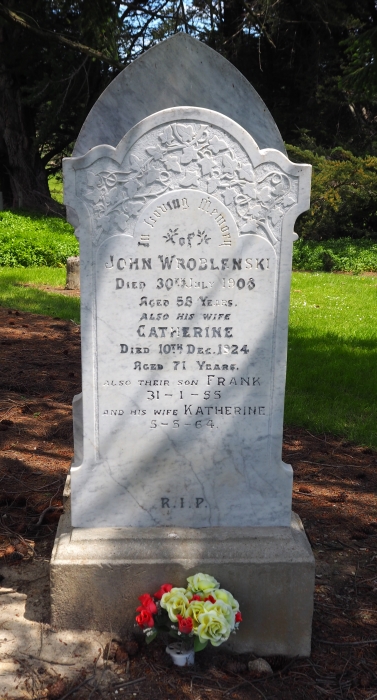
<point x="170" y="235"/>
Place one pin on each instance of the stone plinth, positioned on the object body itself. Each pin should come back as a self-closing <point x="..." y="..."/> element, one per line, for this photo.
<point x="98" y="574"/>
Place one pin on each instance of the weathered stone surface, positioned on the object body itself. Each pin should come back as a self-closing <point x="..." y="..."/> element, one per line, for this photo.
<point x="73" y="273"/>
<point x="179" y="71"/>
<point x="186" y="233"/>
<point x="98" y="574"/>
<point x="260" y="667"/>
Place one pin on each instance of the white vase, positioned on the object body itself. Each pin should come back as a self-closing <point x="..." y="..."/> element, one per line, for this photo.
<point x="180" y="655"/>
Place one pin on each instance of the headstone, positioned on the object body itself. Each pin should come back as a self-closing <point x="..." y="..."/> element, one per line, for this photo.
<point x="186" y="234"/>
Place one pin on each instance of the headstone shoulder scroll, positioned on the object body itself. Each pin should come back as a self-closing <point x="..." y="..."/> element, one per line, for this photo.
<point x="186" y="232"/>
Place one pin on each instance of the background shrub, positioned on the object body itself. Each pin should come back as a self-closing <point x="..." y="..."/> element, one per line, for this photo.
<point x="339" y="255"/>
<point x="343" y="197"/>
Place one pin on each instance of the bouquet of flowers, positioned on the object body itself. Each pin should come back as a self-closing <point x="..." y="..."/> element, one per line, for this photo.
<point x="201" y="613"/>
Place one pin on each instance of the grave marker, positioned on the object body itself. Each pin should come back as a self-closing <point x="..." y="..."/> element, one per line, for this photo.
<point x="186" y="233"/>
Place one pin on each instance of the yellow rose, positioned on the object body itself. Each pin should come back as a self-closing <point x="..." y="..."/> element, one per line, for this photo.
<point x="202" y="583"/>
<point x="222" y="594"/>
<point x="213" y="627"/>
<point x="195" y="608"/>
<point x="221" y="608"/>
<point x="175" y="603"/>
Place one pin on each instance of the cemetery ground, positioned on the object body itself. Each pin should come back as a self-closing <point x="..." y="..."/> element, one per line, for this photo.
<point x="334" y="493"/>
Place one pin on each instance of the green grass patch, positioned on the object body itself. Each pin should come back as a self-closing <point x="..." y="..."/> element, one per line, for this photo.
<point x="342" y="254"/>
<point x="55" y="183"/>
<point x="332" y="356"/>
<point x="14" y="295"/>
<point x="31" y="240"/>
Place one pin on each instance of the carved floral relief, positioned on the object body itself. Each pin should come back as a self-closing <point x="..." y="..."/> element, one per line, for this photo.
<point x="190" y="155"/>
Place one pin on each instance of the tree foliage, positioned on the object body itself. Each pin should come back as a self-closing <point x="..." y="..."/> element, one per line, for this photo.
<point x="343" y="195"/>
<point x="56" y="57"/>
<point x="312" y="61"/>
<point x="46" y="89"/>
<point x="296" y="54"/>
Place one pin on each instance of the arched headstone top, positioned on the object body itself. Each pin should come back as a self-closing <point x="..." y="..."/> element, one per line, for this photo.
<point x="180" y="71"/>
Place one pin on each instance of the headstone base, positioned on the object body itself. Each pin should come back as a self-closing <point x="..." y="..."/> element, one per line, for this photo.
<point x="97" y="575"/>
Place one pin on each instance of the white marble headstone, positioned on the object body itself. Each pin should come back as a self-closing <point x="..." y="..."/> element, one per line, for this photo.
<point x="186" y="233"/>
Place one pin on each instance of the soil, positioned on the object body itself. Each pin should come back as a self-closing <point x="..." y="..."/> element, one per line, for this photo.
<point x="56" y="290"/>
<point x="334" y="494"/>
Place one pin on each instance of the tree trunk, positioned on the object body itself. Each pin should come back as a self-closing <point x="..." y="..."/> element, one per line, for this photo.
<point x="22" y="175"/>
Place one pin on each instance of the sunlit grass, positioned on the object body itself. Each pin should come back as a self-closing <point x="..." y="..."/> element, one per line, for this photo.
<point x="55" y="183"/>
<point x="14" y="295"/>
<point x="332" y="356"/>
<point x="32" y="240"/>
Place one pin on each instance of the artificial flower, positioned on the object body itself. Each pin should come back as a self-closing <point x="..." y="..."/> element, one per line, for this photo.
<point x="165" y="588"/>
<point x="145" y="619"/>
<point x="203" y="609"/>
<point x="213" y="627"/>
<point x="222" y="609"/>
<point x="148" y="603"/>
<point x="210" y="598"/>
<point x="222" y="594"/>
<point x="202" y="583"/>
<point x="195" y="609"/>
<point x="185" y="624"/>
<point x="175" y="603"/>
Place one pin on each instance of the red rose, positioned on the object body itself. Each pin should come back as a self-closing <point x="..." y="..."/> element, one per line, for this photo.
<point x="211" y="598"/>
<point x="184" y="624"/>
<point x="148" y="603"/>
<point x="145" y="619"/>
<point x="165" y="588"/>
<point x="238" y="617"/>
<point x="196" y="597"/>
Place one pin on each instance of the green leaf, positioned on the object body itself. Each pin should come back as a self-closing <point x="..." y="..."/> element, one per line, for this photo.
<point x="198" y="645"/>
<point x="174" y="633"/>
<point x="151" y="637"/>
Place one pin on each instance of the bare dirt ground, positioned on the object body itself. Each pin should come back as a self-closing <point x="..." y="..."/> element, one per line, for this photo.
<point x="334" y="493"/>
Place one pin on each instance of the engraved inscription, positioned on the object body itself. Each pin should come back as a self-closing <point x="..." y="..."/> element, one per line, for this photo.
<point x="182" y="502"/>
<point x="181" y="317"/>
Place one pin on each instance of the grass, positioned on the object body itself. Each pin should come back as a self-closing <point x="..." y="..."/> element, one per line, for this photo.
<point x="30" y="240"/>
<point x="332" y="356"/>
<point x="55" y="183"/>
<point x="332" y="348"/>
<point x="14" y="295"/>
